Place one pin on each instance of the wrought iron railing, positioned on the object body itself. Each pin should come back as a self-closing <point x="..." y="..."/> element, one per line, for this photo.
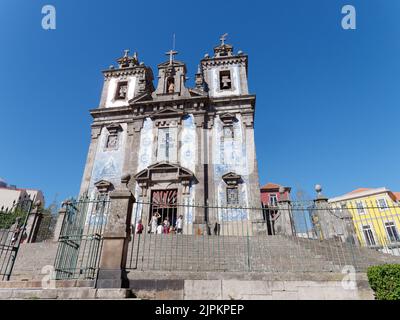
<point x="304" y="236"/>
<point x="13" y="222"/>
<point x="80" y="240"/>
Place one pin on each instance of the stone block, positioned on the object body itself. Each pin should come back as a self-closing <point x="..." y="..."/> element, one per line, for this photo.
<point x="236" y="289"/>
<point x="203" y="290"/>
<point x="285" y="295"/>
<point x="106" y="294"/>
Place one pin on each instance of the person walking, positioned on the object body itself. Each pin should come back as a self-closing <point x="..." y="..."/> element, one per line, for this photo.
<point x="139" y="227"/>
<point x="179" y="225"/>
<point x="167" y="224"/>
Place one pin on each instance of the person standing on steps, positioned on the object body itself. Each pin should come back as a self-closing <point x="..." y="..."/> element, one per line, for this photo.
<point x="154" y="222"/>
<point x="179" y="225"/>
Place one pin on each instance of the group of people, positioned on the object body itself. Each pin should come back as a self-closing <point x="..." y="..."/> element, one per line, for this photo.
<point x="164" y="227"/>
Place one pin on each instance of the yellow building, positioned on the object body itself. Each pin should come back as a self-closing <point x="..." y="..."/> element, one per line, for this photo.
<point x="376" y="217"/>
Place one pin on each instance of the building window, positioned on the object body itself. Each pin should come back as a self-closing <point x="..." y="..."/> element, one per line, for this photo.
<point x="382" y="204"/>
<point x="232" y="196"/>
<point x="273" y="200"/>
<point x="392" y="232"/>
<point x="225" y="81"/>
<point x="369" y="236"/>
<point x="360" y="207"/>
<point x="122" y="91"/>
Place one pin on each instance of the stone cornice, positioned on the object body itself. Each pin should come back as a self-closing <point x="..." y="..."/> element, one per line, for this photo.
<point x="110" y="73"/>
<point x="244" y="99"/>
<point x="219" y="61"/>
<point x="198" y="106"/>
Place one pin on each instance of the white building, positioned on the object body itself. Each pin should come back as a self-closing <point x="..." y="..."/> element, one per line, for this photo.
<point x="10" y="196"/>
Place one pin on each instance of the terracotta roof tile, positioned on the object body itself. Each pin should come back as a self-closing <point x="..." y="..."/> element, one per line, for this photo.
<point x="359" y="190"/>
<point x="397" y="195"/>
<point x="271" y="186"/>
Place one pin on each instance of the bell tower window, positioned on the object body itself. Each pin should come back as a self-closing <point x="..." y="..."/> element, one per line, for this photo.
<point x="122" y="91"/>
<point x="225" y="80"/>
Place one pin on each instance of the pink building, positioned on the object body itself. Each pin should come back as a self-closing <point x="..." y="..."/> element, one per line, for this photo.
<point x="270" y="194"/>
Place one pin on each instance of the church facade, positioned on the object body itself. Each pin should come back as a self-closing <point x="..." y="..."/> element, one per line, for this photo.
<point x="180" y="144"/>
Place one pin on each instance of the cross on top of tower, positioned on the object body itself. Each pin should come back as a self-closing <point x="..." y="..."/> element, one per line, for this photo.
<point x="171" y="54"/>
<point x="223" y="38"/>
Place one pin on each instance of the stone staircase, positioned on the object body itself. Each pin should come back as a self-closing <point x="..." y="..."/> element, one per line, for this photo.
<point x="243" y="254"/>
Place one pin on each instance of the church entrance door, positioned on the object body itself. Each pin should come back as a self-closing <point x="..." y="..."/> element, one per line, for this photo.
<point x="164" y="205"/>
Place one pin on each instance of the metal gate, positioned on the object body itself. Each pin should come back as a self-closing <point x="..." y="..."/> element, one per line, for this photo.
<point x="80" y="241"/>
<point x="12" y="233"/>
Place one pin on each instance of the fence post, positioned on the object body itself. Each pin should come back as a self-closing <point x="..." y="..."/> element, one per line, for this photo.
<point x="60" y="220"/>
<point x="284" y="222"/>
<point x="326" y="221"/>
<point x="33" y="222"/>
<point x="116" y="237"/>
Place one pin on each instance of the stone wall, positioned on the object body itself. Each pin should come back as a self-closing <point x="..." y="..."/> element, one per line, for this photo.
<point x="242" y="286"/>
<point x="31" y="258"/>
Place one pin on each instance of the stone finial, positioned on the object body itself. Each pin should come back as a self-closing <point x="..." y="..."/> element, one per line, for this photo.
<point x="320" y="196"/>
<point x="125" y="179"/>
<point x="318" y="189"/>
<point x="206" y="56"/>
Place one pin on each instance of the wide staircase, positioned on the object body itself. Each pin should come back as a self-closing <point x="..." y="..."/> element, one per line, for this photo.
<point x="241" y="254"/>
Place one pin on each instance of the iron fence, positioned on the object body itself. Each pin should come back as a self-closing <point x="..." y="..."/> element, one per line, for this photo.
<point x="13" y="222"/>
<point x="45" y="231"/>
<point x="304" y="236"/>
<point x="80" y="239"/>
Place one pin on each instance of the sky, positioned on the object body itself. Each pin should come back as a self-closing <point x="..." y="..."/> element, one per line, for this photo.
<point x="327" y="108"/>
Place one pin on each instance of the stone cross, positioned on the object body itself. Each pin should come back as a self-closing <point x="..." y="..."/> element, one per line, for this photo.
<point x="223" y="38"/>
<point x="171" y="54"/>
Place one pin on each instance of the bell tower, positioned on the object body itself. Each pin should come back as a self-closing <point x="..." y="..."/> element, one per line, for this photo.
<point x="172" y="77"/>
<point x="226" y="72"/>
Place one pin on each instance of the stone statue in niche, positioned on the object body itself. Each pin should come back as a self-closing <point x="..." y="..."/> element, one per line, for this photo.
<point x="122" y="91"/>
<point x="171" y="86"/>
<point x="112" y="142"/>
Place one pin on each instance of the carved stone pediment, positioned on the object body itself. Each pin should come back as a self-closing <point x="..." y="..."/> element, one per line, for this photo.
<point x="232" y="179"/>
<point x="167" y="116"/>
<point x="104" y="186"/>
<point x="228" y="118"/>
<point x="162" y="172"/>
<point x="114" y="128"/>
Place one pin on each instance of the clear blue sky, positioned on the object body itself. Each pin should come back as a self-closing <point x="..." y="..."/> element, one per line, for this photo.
<point x="327" y="99"/>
